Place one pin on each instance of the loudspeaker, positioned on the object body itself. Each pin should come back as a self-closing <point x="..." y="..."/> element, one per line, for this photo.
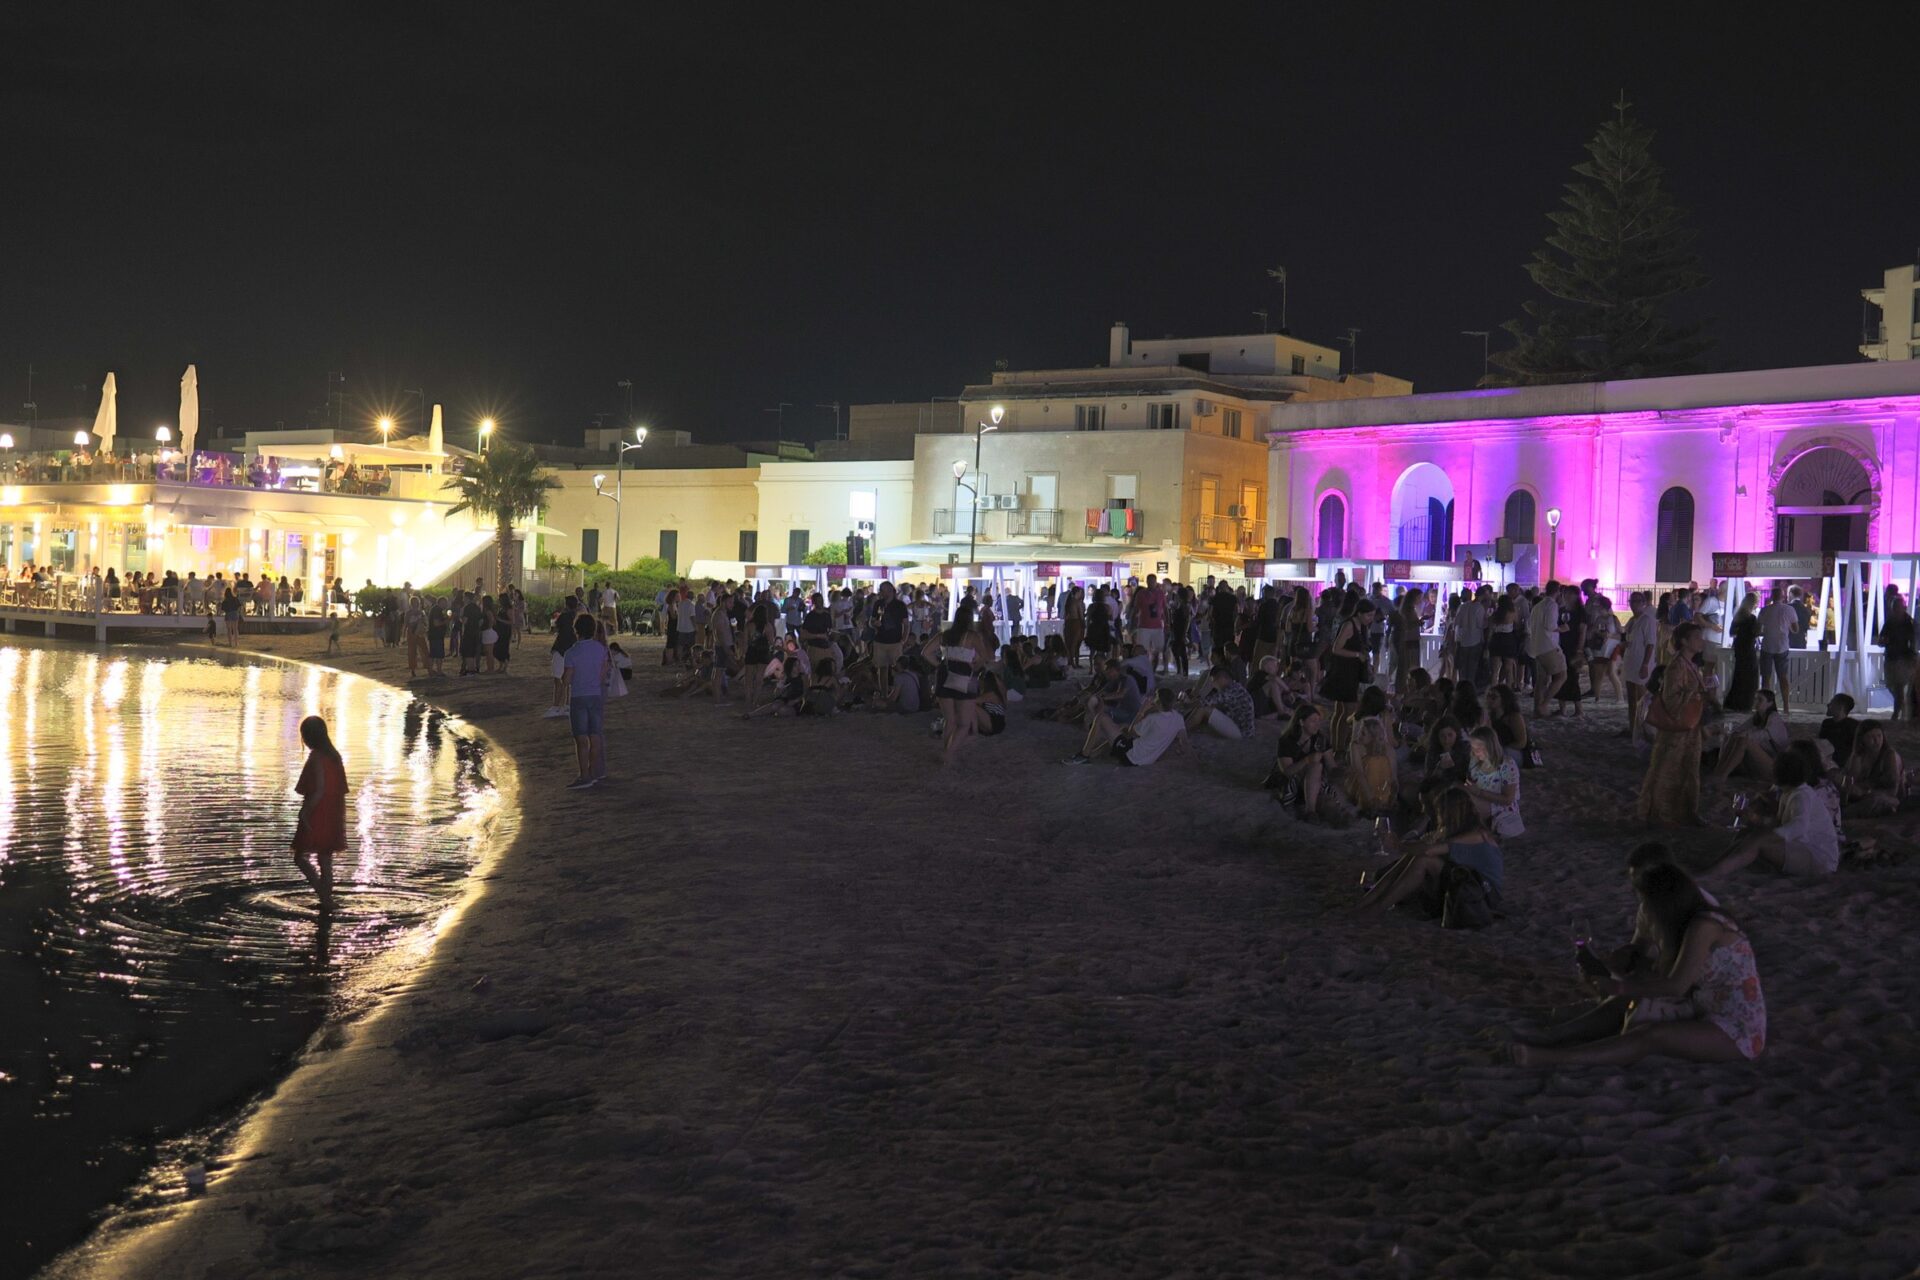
<point x="1503" y="550"/>
<point x="1283" y="548"/>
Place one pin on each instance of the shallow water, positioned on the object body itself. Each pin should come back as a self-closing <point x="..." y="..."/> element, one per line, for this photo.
<point x="160" y="957"/>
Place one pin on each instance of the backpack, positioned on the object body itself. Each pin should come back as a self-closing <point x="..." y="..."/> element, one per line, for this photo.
<point x="1466" y="902"/>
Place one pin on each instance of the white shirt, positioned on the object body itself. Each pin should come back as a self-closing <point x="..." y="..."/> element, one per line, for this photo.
<point x="1809" y="825"/>
<point x="1543" y="633"/>
<point x="1152" y="736"/>
<point x="1643" y="634"/>
<point x="1776" y="625"/>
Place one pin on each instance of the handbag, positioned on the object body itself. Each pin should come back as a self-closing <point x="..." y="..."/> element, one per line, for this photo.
<point x="1686" y="720"/>
<point x="616" y="684"/>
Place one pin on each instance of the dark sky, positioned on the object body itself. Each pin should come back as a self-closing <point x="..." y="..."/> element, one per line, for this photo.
<point x="514" y="210"/>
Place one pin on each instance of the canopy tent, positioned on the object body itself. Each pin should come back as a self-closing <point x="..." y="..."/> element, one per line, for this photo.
<point x="106" y="423"/>
<point x="189" y="409"/>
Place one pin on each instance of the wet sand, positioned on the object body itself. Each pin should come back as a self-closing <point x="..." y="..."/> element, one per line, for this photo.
<point x="788" y="999"/>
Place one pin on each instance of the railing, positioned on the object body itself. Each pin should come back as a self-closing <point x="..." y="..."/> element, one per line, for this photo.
<point x="215" y="470"/>
<point x="1043" y="522"/>
<point x="946" y="522"/>
<point x="1115" y="522"/>
<point x="1230" y="531"/>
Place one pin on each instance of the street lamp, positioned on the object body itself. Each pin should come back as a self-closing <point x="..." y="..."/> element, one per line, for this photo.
<point x="386" y="429"/>
<point x="1553" y="541"/>
<point x="619" y="474"/>
<point x="163" y="434"/>
<point x="997" y="413"/>
<point x="80" y="439"/>
<point x="486" y="431"/>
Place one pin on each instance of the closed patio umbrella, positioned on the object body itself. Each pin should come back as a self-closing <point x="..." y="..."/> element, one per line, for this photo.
<point x="107" y="421"/>
<point x="189" y="411"/>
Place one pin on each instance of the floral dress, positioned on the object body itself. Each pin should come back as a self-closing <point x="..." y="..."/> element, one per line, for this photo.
<point x="1728" y="993"/>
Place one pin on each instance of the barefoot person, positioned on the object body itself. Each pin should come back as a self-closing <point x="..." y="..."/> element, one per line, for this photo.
<point x="1670" y="793"/>
<point x="321" y="830"/>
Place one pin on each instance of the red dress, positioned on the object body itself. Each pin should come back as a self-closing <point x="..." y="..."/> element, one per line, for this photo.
<point x="324" y="829"/>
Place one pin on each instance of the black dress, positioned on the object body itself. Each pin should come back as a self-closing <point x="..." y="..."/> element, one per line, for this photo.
<point x="1573" y="643"/>
<point x="1746" y="666"/>
<point x="1099" y="628"/>
<point x="1344" y="673"/>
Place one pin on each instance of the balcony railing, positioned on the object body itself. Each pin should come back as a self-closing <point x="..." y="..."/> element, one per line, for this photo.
<point x="217" y="470"/>
<point x="1237" y="532"/>
<point x="1042" y="522"/>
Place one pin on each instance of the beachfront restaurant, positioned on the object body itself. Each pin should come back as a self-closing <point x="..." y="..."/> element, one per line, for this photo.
<point x="309" y="510"/>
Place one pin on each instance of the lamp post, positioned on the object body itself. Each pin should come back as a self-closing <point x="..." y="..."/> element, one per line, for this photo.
<point x="164" y="434"/>
<point x="979" y="436"/>
<point x="486" y="433"/>
<point x="619" y="474"/>
<point x="79" y="439"/>
<point x="386" y="428"/>
<point x="1553" y="541"/>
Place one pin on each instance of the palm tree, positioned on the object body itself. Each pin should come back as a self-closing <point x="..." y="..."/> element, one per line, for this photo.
<point x="507" y="483"/>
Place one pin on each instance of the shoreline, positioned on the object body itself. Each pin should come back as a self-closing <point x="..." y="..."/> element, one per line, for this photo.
<point x="790" y="999"/>
<point x="156" y="1201"/>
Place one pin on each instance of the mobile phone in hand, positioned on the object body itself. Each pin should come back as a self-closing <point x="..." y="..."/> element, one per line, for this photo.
<point x="1590" y="964"/>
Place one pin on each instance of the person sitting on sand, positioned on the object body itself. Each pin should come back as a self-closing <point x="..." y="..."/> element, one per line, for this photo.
<point x="1707" y="1006"/>
<point x="788" y="695"/>
<point x="1370" y="769"/>
<point x="1493" y="783"/>
<point x="990" y="712"/>
<point x="1224" y="708"/>
<point x="1302" y="762"/>
<point x="1447" y="756"/>
<point x="1641" y="955"/>
<point x="1141" y="742"/>
<point x="1753" y="746"/>
<point x="1873" y="780"/>
<point x="1509" y="724"/>
<point x="1839" y="728"/>
<point x="1460" y="839"/>
<point x="1799" y="839"/>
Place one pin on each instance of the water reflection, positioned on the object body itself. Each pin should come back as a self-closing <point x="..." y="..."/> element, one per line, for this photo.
<point x="160" y="956"/>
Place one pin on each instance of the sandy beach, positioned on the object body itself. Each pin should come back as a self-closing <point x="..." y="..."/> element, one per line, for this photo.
<point x="789" y="999"/>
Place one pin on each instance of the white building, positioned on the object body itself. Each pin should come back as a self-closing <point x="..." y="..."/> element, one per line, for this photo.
<point x="1897" y="336"/>
<point x="1649" y="477"/>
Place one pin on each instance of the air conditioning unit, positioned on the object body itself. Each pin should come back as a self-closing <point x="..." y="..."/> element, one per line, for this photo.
<point x="1204" y="408"/>
<point x="1234" y="511"/>
<point x="1007" y="501"/>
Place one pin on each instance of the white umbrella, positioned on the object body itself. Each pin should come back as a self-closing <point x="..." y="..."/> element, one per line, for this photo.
<point x="189" y="411"/>
<point x="107" y="421"/>
<point x="436" y="439"/>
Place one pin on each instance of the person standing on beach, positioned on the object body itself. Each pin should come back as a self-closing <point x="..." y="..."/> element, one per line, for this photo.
<point x="321" y="830"/>
<point x="1670" y="793"/>
<point x="588" y="673"/>
<point x="230" y="615"/>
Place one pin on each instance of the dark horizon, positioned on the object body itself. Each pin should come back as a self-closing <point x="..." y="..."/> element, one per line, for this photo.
<point x="512" y="215"/>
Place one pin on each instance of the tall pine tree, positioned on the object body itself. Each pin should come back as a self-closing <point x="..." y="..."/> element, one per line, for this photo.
<point x="1618" y="254"/>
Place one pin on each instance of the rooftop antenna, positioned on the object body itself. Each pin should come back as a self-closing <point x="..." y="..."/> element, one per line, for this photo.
<point x="1279" y="275"/>
<point x="780" y="410"/>
<point x="1353" y="350"/>
<point x="1486" y="361"/>
<point x="835" y="406"/>
<point x="33" y="409"/>
<point x="1262" y="313"/>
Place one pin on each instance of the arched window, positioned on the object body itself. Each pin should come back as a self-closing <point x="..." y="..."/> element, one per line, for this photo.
<point x="1518" y="526"/>
<point x="1332" y="542"/>
<point x="1673" y="554"/>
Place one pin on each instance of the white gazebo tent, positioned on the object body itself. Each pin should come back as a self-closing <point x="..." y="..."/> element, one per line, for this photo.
<point x="1810" y="672"/>
<point x="1857" y="581"/>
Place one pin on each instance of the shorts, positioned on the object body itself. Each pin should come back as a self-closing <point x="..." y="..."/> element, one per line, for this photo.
<point x="1222" y="723"/>
<point x="1773" y="666"/>
<point x="1799" y="859"/>
<point x="1152" y="639"/>
<point x="886" y="655"/>
<point x="558" y="663"/>
<point x="588" y="716"/>
<point x="1551" y="663"/>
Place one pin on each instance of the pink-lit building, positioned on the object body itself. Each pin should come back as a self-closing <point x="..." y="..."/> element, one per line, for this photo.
<point x="1649" y="477"/>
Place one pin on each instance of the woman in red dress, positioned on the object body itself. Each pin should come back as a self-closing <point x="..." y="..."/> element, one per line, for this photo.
<point x="321" y="831"/>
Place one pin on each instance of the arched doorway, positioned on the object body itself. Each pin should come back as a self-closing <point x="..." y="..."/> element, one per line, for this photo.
<point x="1823" y="501"/>
<point x="1332" y="540"/>
<point x="1423" y="514"/>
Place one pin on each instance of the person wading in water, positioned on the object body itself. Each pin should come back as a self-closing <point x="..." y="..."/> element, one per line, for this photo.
<point x="321" y="830"/>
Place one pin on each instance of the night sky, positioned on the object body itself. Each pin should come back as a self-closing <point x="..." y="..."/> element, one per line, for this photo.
<point x="514" y="211"/>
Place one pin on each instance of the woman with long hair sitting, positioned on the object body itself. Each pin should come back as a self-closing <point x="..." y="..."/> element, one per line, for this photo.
<point x="1874" y="778"/>
<point x="1460" y="840"/>
<point x="1706" y="1006"/>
